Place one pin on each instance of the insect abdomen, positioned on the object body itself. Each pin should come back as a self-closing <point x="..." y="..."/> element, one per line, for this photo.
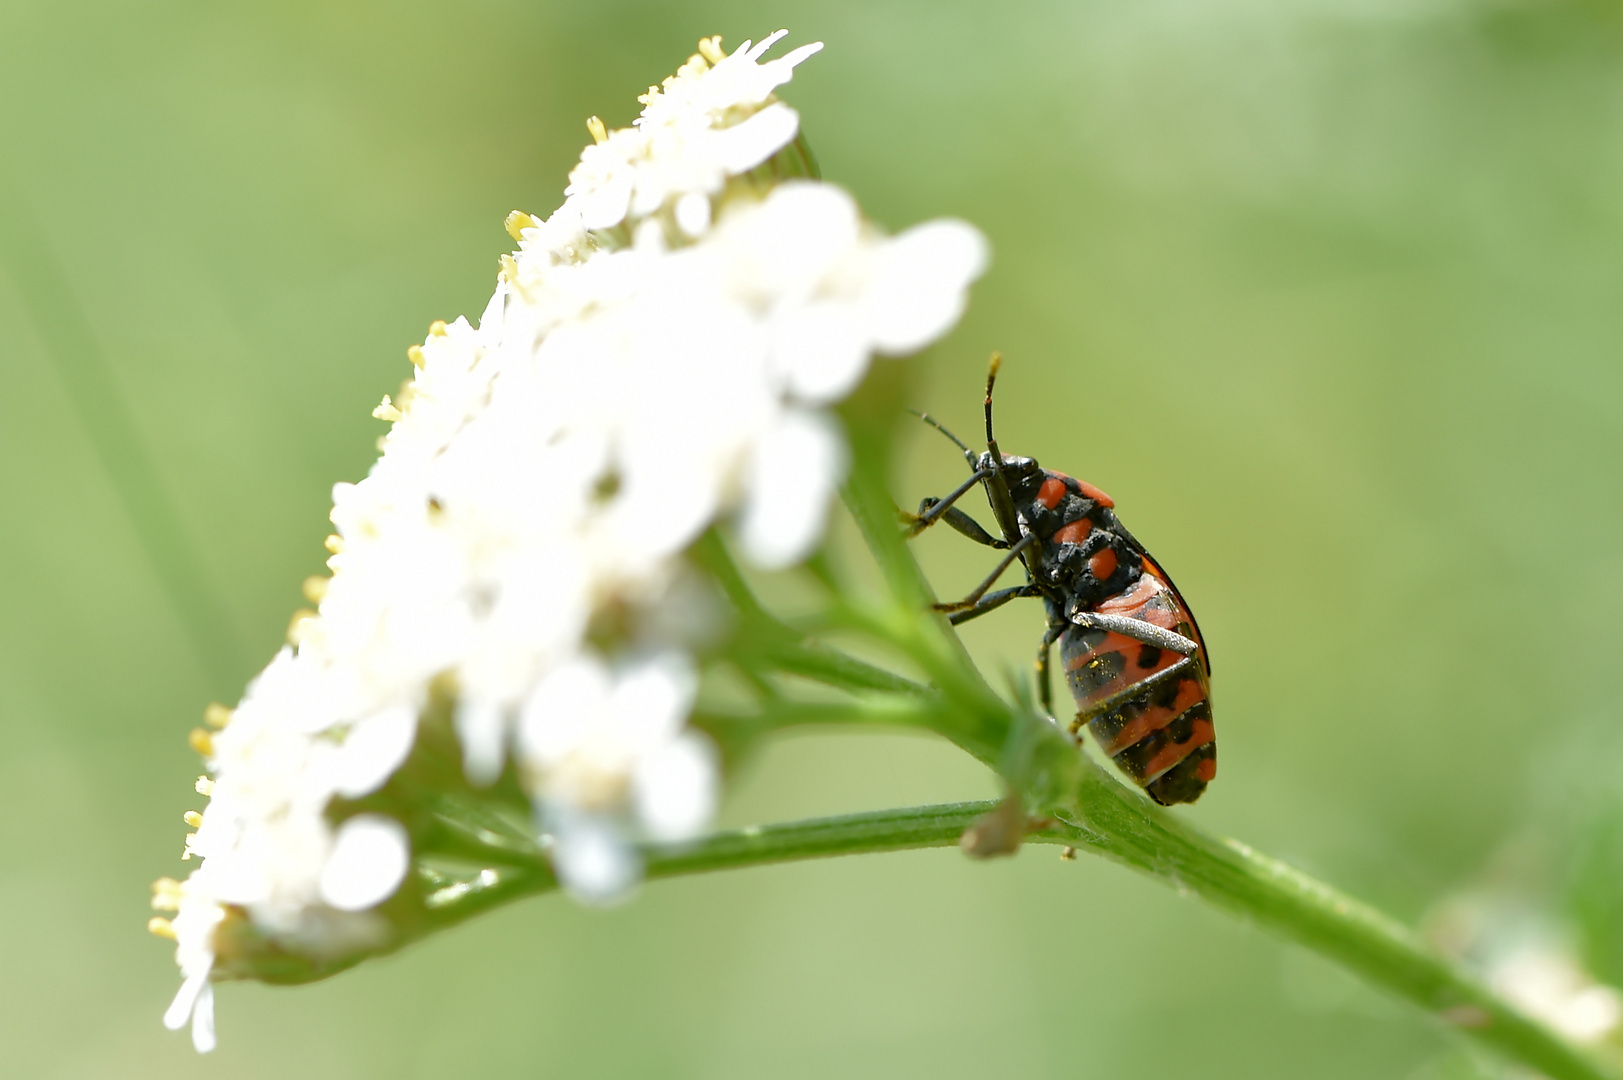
<point x="1161" y="737"/>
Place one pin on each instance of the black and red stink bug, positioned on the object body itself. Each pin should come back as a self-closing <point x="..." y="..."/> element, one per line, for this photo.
<point x="1133" y="654"/>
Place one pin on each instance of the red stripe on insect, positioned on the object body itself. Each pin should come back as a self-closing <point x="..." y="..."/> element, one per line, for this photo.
<point x="1052" y="491"/>
<point x="1091" y="492"/>
<point x="1199" y="736"/>
<point x="1154" y="719"/>
<point x="1074" y="533"/>
<point x="1129" y="602"/>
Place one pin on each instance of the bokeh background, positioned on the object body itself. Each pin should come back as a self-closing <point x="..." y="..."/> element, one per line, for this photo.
<point x="1325" y="292"/>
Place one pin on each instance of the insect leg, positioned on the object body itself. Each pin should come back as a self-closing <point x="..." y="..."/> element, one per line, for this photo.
<point x="1115" y="701"/>
<point x="968" y="526"/>
<point x="1137" y="629"/>
<point x="990" y="602"/>
<point x="931" y="509"/>
<point x="1045" y="691"/>
<point x="991" y="579"/>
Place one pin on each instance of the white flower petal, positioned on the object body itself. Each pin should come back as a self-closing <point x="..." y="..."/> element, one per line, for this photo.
<point x="792" y="477"/>
<point x="370" y="856"/>
<point x="919" y="289"/>
<point x="563" y="703"/>
<point x="757" y="51"/>
<point x="788" y="246"/>
<point x="481" y="727"/>
<point x="594" y="862"/>
<point x="693" y="213"/>
<point x="605" y="207"/>
<point x="822" y="350"/>
<point x="740" y="148"/>
<point x="374" y="749"/>
<point x="180" y="1009"/>
<point x="676" y="789"/>
<point x="655" y="694"/>
<point x="203" y="1020"/>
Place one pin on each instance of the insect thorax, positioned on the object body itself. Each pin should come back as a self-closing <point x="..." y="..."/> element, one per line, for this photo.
<point x="1087" y="555"/>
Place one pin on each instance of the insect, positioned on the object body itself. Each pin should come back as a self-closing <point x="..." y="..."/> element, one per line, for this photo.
<point x="1133" y="654"/>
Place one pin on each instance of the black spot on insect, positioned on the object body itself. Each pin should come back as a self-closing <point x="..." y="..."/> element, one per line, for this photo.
<point x="1166" y="694"/>
<point x="1097" y="674"/>
<point x="1148" y="657"/>
<point x="1183" y="782"/>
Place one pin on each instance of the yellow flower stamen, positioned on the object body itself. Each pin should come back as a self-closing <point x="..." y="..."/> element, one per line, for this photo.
<point x="517" y="222"/>
<point x="386" y="410"/>
<point x="710" y="49"/>
<point x="166" y="894"/>
<point x="414" y="353"/>
<point x="204" y="787"/>
<point x="315" y="587"/>
<point x="298" y="626"/>
<point x="695" y="67"/>
<point x="201" y="741"/>
<point x="192" y="818"/>
<point x="161" y="927"/>
<point x="600" y="133"/>
<point x="217" y="715"/>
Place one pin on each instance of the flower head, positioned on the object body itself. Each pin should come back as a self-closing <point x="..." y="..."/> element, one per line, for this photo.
<point x="657" y="359"/>
<point x="717" y="117"/>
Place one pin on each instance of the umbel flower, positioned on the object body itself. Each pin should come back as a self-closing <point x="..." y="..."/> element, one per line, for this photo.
<point x="658" y="358"/>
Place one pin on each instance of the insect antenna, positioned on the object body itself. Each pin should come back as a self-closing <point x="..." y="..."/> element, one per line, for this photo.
<point x="969" y="455"/>
<point x="991" y="381"/>
<point x="997" y="485"/>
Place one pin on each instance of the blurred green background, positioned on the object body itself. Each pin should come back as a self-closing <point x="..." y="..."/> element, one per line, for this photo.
<point x="1326" y="294"/>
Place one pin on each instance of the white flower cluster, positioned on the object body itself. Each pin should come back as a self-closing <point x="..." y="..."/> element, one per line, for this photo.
<point x="657" y="358"/>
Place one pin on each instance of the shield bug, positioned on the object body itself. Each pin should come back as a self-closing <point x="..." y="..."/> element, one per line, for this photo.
<point x="1133" y="655"/>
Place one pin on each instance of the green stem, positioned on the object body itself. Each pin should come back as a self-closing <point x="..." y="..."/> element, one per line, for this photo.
<point x="757" y="845"/>
<point x="850" y="834"/>
<point x="434" y="900"/>
<point x="1107" y="819"/>
<point x="775" y="645"/>
<point x="1121" y="825"/>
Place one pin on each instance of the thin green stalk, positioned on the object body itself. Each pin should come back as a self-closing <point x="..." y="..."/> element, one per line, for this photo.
<point x="758" y="845"/>
<point x="1111" y="821"/>
<point x="114" y="434"/>
<point x="850" y="834"/>
<point x="436" y="900"/>
<point x="779" y="646"/>
<point x="1114" y="822"/>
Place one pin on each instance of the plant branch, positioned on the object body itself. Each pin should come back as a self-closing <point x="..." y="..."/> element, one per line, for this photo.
<point x="435" y="900"/>
<point x="1122" y="826"/>
<point x="776" y="645"/>
<point x="1107" y="819"/>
